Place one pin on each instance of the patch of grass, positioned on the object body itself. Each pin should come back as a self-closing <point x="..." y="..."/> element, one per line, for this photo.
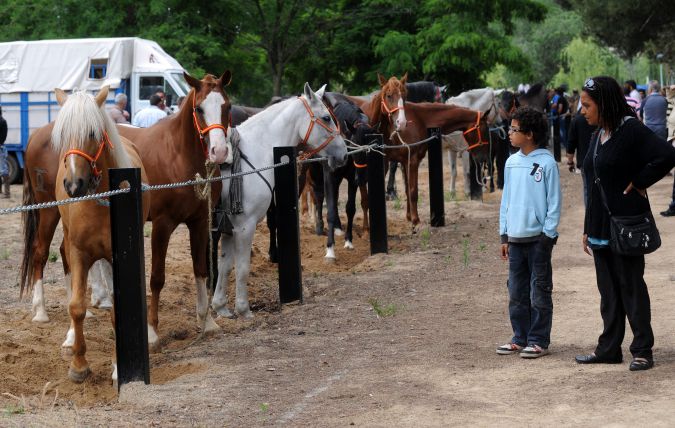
<point x="4" y="254"/>
<point x="264" y="407"/>
<point x="397" y="204"/>
<point x="53" y="256"/>
<point x="383" y="311"/>
<point x="465" y="252"/>
<point x="482" y="246"/>
<point x="13" y="410"/>
<point x="425" y="236"/>
<point x="389" y="263"/>
<point x="147" y="230"/>
<point x="450" y="196"/>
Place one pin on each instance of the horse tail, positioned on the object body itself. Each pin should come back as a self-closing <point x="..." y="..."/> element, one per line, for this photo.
<point x="30" y="220"/>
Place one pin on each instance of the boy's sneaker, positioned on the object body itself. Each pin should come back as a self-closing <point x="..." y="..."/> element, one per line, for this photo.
<point x="533" y="351"/>
<point x="508" y="349"/>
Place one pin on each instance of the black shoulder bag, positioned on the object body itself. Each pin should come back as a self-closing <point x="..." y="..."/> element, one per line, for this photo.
<point x="634" y="235"/>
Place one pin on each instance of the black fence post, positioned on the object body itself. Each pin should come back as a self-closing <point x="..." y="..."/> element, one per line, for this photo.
<point x="377" y="208"/>
<point x="288" y="225"/>
<point x="436" y="197"/>
<point x="131" y="323"/>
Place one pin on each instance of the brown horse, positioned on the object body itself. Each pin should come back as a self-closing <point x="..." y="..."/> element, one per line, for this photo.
<point x="89" y="144"/>
<point x="174" y="150"/>
<point x="385" y="110"/>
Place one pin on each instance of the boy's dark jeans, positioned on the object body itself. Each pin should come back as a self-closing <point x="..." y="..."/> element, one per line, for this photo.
<point x="530" y="285"/>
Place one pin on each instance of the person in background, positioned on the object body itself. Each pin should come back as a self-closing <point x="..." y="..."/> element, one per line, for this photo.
<point x="528" y="227"/>
<point x="117" y="111"/>
<point x="630" y="86"/>
<point x="149" y="115"/>
<point x="625" y="158"/>
<point x="579" y="139"/>
<point x="654" y="110"/>
<point x="163" y="105"/>
<point x="4" y="166"/>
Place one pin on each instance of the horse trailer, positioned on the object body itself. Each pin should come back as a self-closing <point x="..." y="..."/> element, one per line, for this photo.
<point x="29" y="72"/>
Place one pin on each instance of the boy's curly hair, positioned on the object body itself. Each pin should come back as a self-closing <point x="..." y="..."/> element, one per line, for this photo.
<point x="531" y="120"/>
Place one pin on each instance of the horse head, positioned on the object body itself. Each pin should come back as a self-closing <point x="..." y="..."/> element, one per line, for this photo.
<point x="322" y="136"/>
<point x="211" y="114"/>
<point x="392" y="100"/>
<point x="508" y="103"/>
<point x="354" y="123"/>
<point x="479" y="134"/>
<point x="82" y="131"/>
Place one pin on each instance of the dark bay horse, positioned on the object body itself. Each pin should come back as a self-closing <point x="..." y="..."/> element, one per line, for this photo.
<point x="420" y="117"/>
<point x="355" y="127"/>
<point x="173" y="150"/>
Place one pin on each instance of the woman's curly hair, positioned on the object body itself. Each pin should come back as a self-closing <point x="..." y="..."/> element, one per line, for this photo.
<point x="531" y="120"/>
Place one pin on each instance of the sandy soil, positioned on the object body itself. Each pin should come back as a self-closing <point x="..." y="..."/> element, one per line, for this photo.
<point x="403" y="339"/>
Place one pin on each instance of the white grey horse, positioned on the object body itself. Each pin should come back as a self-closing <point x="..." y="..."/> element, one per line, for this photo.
<point x="292" y="122"/>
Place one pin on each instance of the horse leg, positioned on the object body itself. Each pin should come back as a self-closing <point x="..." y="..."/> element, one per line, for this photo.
<point x="362" y="179"/>
<point x="273" y="251"/>
<point x="452" y="160"/>
<point x="161" y="232"/>
<point x="198" y="244"/>
<point x="329" y="184"/>
<point x="242" y="250"/>
<point x="225" y="262"/>
<point x="466" y="169"/>
<point x="413" y="188"/>
<point x="49" y="219"/>
<point x="391" y="181"/>
<point x="404" y="168"/>
<point x="316" y="171"/>
<point x="351" y="211"/>
<point x="79" y="367"/>
<point x="101" y="284"/>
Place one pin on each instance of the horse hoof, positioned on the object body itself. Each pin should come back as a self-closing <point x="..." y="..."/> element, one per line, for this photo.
<point x="349" y="245"/>
<point x="224" y="312"/>
<point x="210" y="326"/>
<point x="247" y="314"/>
<point x="41" y="316"/>
<point x="415" y="228"/>
<point x="330" y="260"/>
<point x="78" y="376"/>
<point x="105" y="304"/>
<point x="89" y="314"/>
<point x="339" y="232"/>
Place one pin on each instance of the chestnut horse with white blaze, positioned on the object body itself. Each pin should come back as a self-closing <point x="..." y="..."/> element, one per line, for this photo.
<point x="88" y="144"/>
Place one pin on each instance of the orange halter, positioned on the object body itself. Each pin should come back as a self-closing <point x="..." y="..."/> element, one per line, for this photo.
<point x="392" y="111"/>
<point x="312" y="120"/>
<point x="92" y="160"/>
<point x="476" y="128"/>
<point x="203" y="132"/>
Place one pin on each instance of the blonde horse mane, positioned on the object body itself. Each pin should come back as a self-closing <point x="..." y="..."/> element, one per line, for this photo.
<point x="80" y="120"/>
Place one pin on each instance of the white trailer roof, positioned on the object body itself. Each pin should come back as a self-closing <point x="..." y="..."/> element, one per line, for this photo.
<point x="41" y="66"/>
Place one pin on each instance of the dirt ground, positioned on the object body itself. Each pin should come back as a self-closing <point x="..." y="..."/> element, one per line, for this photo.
<point x="403" y="339"/>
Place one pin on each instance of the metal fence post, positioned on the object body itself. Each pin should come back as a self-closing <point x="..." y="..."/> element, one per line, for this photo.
<point x="377" y="208"/>
<point x="288" y="225"/>
<point x="436" y="197"/>
<point x="131" y="328"/>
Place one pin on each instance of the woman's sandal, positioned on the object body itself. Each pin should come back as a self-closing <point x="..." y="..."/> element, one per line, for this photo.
<point x="640" y="363"/>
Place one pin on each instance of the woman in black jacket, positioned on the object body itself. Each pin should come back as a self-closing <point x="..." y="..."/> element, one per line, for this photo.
<point x="625" y="157"/>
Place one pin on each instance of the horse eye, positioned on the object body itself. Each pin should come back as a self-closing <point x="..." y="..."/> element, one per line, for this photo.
<point x="326" y="118"/>
<point x="199" y="110"/>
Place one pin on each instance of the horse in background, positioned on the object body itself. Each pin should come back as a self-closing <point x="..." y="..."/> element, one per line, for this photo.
<point x="302" y="121"/>
<point x="399" y="132"/>
<point x="88" y="142"/>
<point x="355" y="128"/>
<point x="481" y="153"/>
<point x="536" y="97"/>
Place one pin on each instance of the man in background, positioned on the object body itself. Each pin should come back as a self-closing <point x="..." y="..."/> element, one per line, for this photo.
<point x="4" y="167"/>
<point x="150" y="115"/>
<point x="117" y="111"/>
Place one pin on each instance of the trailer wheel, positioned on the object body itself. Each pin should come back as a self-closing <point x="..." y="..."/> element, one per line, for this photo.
<point x="14" y="169"/>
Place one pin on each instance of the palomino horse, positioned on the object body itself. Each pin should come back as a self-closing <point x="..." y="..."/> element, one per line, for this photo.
<point x="89" y="144"/>
<point x="304" y="121"/>
<point x="421" y="116"/>
<point x="174" y="150"/>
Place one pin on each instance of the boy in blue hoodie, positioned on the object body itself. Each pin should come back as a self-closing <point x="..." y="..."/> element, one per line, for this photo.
<point x="528" y="223"/>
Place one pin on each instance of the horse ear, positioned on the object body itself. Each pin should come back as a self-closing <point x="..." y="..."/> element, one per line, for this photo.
<point x="102" y="95"/>
<point x="404" y="79"/>
<point x="381" y="79"/>
<point x="321" y="91"/>
<point x="61" y="96"/>
<point x="226" y="78"/>
<point x="195" y="83"/>
<point x="308" y="92"/>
